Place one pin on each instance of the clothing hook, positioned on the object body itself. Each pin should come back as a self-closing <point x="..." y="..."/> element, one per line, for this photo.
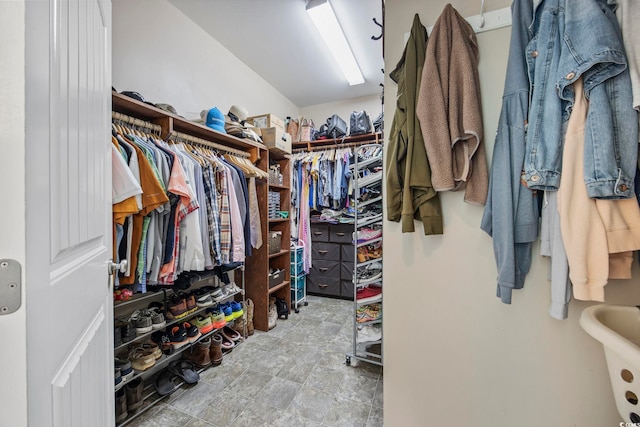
<point x="481" y="23"/>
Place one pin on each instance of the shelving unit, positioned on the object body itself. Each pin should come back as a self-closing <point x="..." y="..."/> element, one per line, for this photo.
<point x="367" y="327"/>
<point x="172" y="125"/>
<point x="298" y="277"/>
<point x="258" y="266"/>
<point x="124" y="309"/>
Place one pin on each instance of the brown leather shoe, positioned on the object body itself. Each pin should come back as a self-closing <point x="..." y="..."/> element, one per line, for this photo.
<point x="215" y="350"/>
<point x="199" y="353"/>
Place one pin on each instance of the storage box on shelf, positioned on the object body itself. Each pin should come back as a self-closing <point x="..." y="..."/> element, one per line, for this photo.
<point x="332" y="254"/>
<point x="275" y="236"/>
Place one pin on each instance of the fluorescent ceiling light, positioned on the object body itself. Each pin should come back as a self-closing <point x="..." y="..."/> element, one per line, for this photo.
<point x="324" y="18"/>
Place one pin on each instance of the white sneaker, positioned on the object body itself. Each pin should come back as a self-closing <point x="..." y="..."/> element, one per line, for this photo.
<point x="369" y="333"/>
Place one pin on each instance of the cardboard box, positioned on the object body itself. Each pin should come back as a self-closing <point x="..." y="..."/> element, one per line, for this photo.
<point x="276" y="140"/>
<point x="267" y="121"/>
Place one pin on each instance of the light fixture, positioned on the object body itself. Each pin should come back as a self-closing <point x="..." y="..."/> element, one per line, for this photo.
<point x="324" y="18"/>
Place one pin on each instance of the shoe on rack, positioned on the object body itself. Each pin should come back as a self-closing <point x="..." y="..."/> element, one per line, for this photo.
<point x="217" y="317"/>
<point x="236" y="308"/>
<point x="367" y="234"/>
<point x="368" y="333"/>
<point x="152" y="348"/>
<point x="178" y="337"/>
<point x="193" y="334"/>
<point x="215" y="350"/>
<point x="190" y="301"/>
<point x="141" y="319"/>
<point x="369" y="294"/>
<point x="227" y="310"/>
<point x="141" y="359"/>
<point x="117" y="376"/>
<point x="117" y="336"/>
<point x="199" y="353"/>
<point x="370" y="273"/>
<point x="369" y="313"/>
<point x="176" y="308"/>
<point x="121" y="406"/>
<point x="225" y="343"/>
<point x="157" y="318"/>
<point x="134" y="391"/>
<point x="217" y="294"/>
<point x="164" y="342"/>
<point x="127" y="330"/>
<point x="126" y="370"/>
<point x="203" y="323"/>
<point x="231" y="334"/>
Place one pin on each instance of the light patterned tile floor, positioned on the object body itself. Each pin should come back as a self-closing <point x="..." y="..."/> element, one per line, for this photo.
<point x="294" y="375"/>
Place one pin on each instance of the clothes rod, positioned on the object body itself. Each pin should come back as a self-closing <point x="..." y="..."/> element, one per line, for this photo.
<point x="123" y="118"/>
<point x="334" y="146"/>
<point x="195" y="140"/>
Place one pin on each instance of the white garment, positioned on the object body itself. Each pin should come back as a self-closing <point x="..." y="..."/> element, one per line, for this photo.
<point x="237" y="231"/>
<point x="134" y="166"/>
<point x="124" y="183"/>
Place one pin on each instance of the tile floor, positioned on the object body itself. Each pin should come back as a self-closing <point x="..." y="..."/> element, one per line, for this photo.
<point x="293" y="376"/>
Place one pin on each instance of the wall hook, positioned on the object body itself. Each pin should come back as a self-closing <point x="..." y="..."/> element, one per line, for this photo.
<point x="381" y="27"/>
<point x="481" y="23"/>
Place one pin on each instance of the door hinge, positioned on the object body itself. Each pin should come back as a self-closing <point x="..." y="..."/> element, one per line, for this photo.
<point x="10" y="286"/>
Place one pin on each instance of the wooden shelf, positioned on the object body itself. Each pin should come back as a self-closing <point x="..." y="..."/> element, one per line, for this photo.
<point x="277" y="220"/>
<point x="278" y="287"/>
<point x="374" y="138"/>
<point x="277" y="254"/>
<point x="279" y="187"/>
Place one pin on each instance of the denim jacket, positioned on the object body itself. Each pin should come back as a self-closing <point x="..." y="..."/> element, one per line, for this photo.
<point x="573" y="39"/>
<point x="511" y="212"/>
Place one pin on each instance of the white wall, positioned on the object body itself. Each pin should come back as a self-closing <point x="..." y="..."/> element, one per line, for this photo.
<point x="319" y="113"/>
<point x="454" y="354"/>
<point x="160" y="53"/>
<point x="13" y="387"/>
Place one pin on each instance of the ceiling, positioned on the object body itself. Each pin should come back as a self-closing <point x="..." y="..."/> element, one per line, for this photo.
<point x="277" y="39"/>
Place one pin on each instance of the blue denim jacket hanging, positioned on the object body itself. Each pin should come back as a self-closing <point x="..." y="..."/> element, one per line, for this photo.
<point x="573" y="39"/>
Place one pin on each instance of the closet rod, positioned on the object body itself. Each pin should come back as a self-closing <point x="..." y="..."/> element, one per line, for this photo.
<point x="195" y="140"/>
<point x="135" y="122"/>
<point x="334" y="146"/>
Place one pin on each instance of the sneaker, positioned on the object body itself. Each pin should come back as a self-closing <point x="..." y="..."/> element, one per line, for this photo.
<point x="178" y="337"/>
<point x="217" y="318"/>
<point x="117" y="376"/>
<point x="370" y="273"/>
<point x="367" y="234"/>
<point x="126" y="370"/>
<point x="152" y="348"/>
<point x="204" y="300"/>
<point x="164" y="342"/>
<point x="236" y="308"/>
<point x="157" y="318"/>
<point x="217" y="294"/>
<point x="369" y="294"/>
<point x="192" y="332"/>
<point x="368" y="333"/>
<point x="127" y="330"/>
<point x="227" y="310"/>
<point x="190" y="300"/>
<point x="369" y="179"/>
<point x="142" y="321"/>
<point x="369" y="313"/>
<point x="203" y="323"/>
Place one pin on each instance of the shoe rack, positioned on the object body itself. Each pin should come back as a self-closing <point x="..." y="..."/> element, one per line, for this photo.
<point x="367" y="278"/>
<point x="259" y="264"/>
<point x="148" y="395"/>
<point x="253" y="275"/>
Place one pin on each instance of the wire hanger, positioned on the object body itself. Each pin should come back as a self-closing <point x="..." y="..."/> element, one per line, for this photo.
<point x="481" y="20"/>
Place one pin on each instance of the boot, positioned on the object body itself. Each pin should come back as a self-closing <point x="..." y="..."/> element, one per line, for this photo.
<point x="121" y="406"/>
<point x="215" y="350"/>
<point x="249" y="317"/>
<point x="199" y="353"/>
<point x="133" y="391"/>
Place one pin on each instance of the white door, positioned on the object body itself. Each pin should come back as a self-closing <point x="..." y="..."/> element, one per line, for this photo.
<point x="64" y="236"/>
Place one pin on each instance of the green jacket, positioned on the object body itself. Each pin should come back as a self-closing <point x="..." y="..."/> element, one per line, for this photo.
<point x="409" y="191"/>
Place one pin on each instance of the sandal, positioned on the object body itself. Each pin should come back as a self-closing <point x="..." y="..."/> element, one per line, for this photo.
<point x="231" y="334"/>
<point x="164" y="383"/>
<point x="186" y="370"/>
<point x="227" y="344"/>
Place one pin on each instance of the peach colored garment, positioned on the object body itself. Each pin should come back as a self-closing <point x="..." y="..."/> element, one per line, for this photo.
<point x="592" y="228"/>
